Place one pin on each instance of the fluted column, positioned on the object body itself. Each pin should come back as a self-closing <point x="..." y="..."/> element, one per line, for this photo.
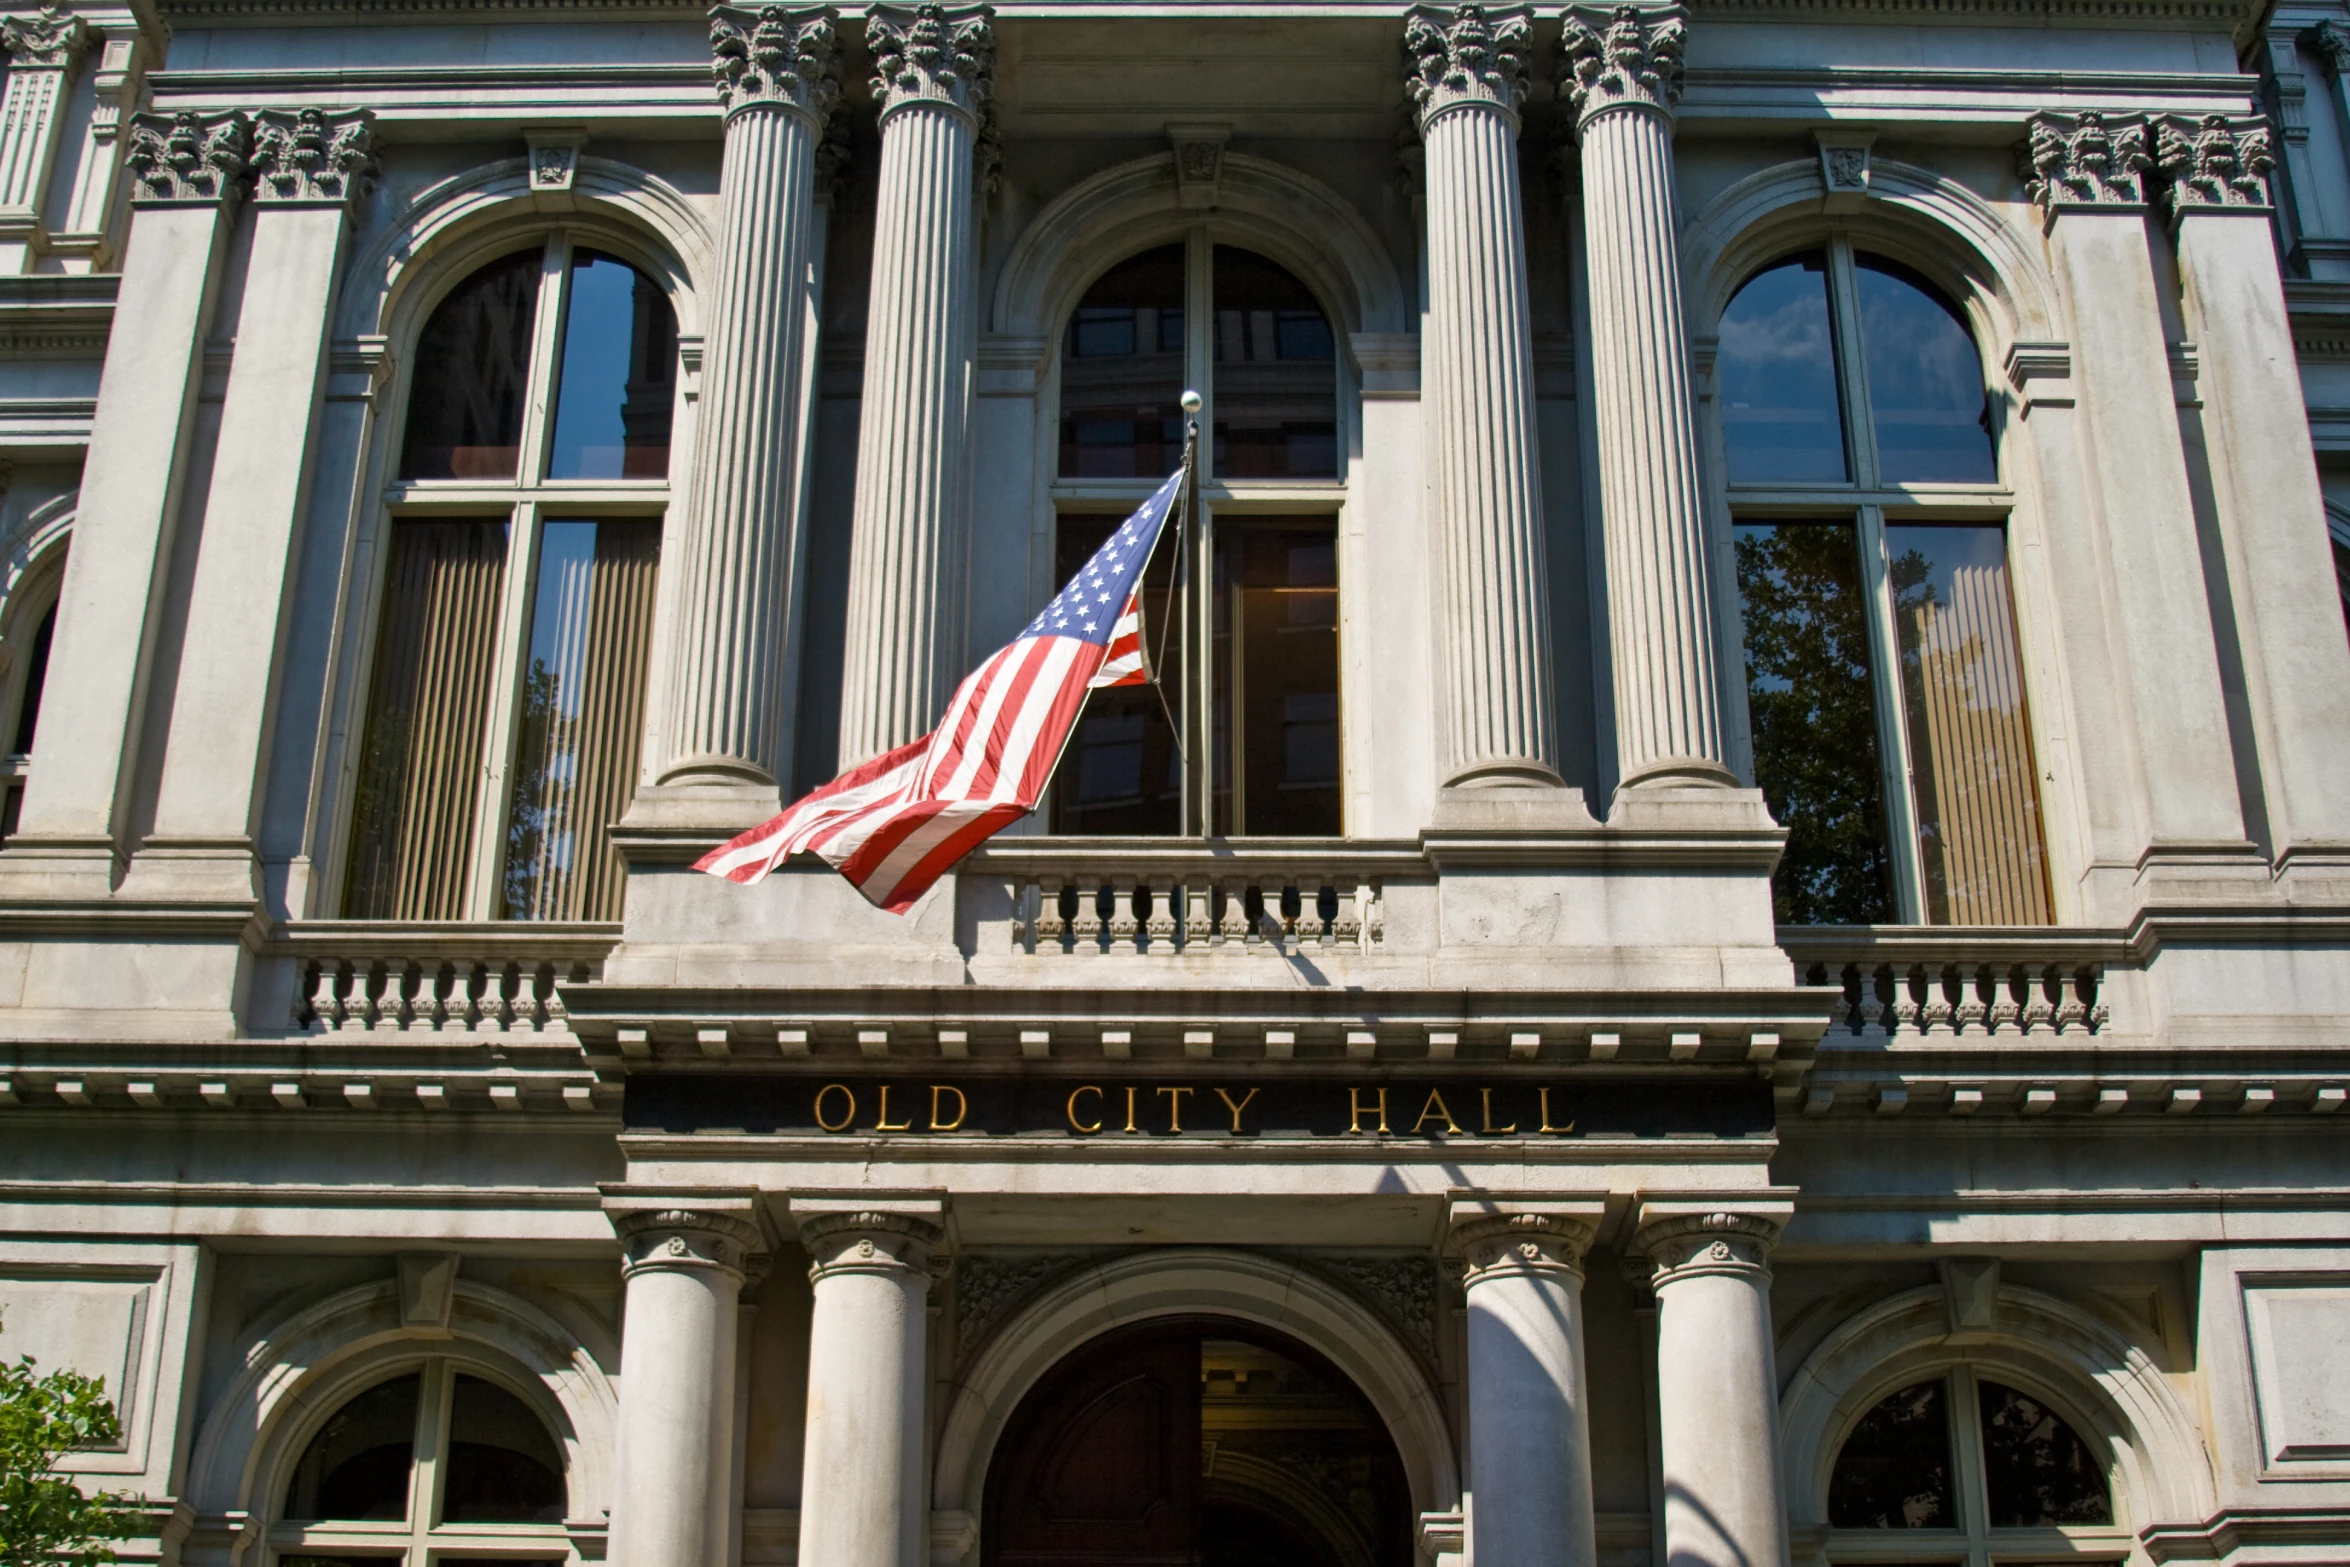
<point x="1717" y="1383"/>
<point x="1529" y="1476"/>
<point x="684" y="1274"/>
<point x="2272" y="521"/>
<point x="735" y="660"/>
<point x="43" y="51"/>
<point x="310" y="168"/>
<point x="906" y="610"/>
<point x="1624" y="78"/>
<point x="1467" y="77"/>
<point x="862" y="1502"/>
<point x="188" y="177"/>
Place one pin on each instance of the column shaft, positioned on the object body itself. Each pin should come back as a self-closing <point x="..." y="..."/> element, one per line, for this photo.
<point x="862" y="1502"/>
<point x="907" y="555"/>
<point x="735" y="659"/>
<point x="189" y="176"/>
<point x="1500" y="720"/>
<point x="677" y="1388"/>
<point x="1717" y="1390"/>
<point x="309" y="169"/>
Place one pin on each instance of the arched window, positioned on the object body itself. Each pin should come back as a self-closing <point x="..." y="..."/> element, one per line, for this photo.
<point x="1254" y="634"/>
<point x="2338" y="525"/>
<point x="27" y="625"/>
<point x="506" y="704"/>
<point x="434" y="1465"/>
<point x="1885" y="690"/>
<point x="1963" y="1468"/>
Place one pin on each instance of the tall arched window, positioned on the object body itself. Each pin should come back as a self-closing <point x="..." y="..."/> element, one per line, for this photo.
<point x="1251" y="658"/>
<point x="1965" y="1469"/>
<point x="437" y="1464"/>
<point x="1885" y="691"/>
<point x="29" y="625"/>
<point x="506" y="704"/>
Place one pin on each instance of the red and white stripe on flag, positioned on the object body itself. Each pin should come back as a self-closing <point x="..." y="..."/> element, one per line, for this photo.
<point x="897" y="823"/>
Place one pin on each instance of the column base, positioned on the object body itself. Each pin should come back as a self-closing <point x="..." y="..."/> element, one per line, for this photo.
<point x="702" y="803"/>
<point x="38" y="867"/>
<point x="1680" y="772"/>
<point x="195" y="870"/>
<point x="1506" y="775"/>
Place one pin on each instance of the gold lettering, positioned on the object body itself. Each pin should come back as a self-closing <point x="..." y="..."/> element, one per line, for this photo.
<point x="937" y="1102"/>
<point x="1490" y="1128"/>
<point x="881" y="1120"/>
<point x="1546" y="1126"/>
<point x="1130" y="1126"/>
<point x="1434" y="1109"/>
<point x="1235" y="1105"/>
<point x="847" y="1116"/>
<point x="1174" y="1098"/>
<point x="1356" y="1110"/>
<point x="1087" y="1127"/>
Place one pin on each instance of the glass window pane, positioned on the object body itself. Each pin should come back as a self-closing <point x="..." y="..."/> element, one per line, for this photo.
<point x="1276" y="374"/>
<point x="357" y="1466"/>
<point x="1122" y="773"/>
<point x="582" y="717"/>
<point x="36" y="676"/>
<point x="1777" y="370"/>
<point x="472" y="374"/>
<point x="2342" y="579"/>
<point x="2037" y="1471"/>
<point x="1894" y="1470"/>
<point x="1970" y="763"/>
<point x="619" y="375"/>
<point x="1122" y="372"/>
<point x="1811" y="695"/>
<point x="504" y="1465"/>
<point x="1277" y="669"/>
<point x="428" y="708"/>
<point x="1926" y="397"/>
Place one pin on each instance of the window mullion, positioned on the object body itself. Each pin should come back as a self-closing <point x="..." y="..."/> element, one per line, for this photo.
<point x="432" y="1442"/>
<point x="497" y="757"/>
<point x="1199" y="674"/>
<point x="1901" y="817"/>
<point x="1966" y="1440"/>
<point x="1852" y="369"/>
<point x="546" y="356"/>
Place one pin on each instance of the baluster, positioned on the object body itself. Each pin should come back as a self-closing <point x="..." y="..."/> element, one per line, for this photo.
<point x="2039" y="1013"/>
<point x="1087" y="928"/>
<point x="306" y="997"/>
<point x="2007" y="1014"/>
<point x="558" y="1015"/>
<point x="1935" y="1012"/>
<point x="380" y="999"/>
<point x="1374" y="906"/>
<point x="2072" y="1012"/>
<point x="1235" y="925"/>
<point x="2099" y="1013"/>
<point x="1161" y="926"/>
<point x="1874" y="980"/>
<point x="1346" y="922"/>
<point x="1288" y="921"/>
<point x="1905" y="1001"/>
<point x="1052" y="927"/>
<point x="348" y="984"/>
<point x="1974" y="984"/>
<point x="1124" y="927"/>
<point x="1199" y="914"/>
<point x="1023" y="896"/>
<point x="542" y="993"/>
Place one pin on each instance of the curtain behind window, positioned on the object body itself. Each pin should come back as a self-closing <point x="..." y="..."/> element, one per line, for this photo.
<point x="428" y="711"/>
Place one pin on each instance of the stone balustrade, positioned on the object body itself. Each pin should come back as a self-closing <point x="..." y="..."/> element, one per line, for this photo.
<point x="1921" y="985"/>
<point x="454" y="978"/>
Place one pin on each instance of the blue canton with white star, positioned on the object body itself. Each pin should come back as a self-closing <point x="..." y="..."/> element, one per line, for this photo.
<point x="1088" y="607"/>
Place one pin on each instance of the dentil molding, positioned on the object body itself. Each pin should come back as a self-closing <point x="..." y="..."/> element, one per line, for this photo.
<point x="189" y="157"/>
<point x="312" y="158"/>
<point x="771" y="56"/>
<point x="1623" y="57"/>
<point x="1466" y="55"/>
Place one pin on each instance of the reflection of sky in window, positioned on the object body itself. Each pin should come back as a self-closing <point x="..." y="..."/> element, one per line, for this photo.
<point x="1777" y="366"/>
<point x="591" y="440"/>
<point x="1925" y="381"/>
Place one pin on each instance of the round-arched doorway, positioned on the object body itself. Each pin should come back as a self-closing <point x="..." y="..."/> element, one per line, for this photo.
<point x="1195" y="1442"/>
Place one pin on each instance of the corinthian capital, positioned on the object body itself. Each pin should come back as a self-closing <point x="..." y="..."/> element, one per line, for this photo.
<point x="2213" y="162"/>
<point x="56" y="37"/>
<point x="188" y="157"/>
<point x="1622" y="57"/>
<point x="312" y="158"/>
<point x="932" y="54"/>
<point x="1467" y="54"/>
<point x="2086" y="160"/>
<point x="770" y="55"/>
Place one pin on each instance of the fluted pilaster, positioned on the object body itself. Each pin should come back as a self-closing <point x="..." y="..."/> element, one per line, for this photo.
<point x="1624" y="78"/>
<point x="736" y="652"/>
<point x="904" y="651"/>
<point x="1467" y="78"/>
<point x="44" y="51"/>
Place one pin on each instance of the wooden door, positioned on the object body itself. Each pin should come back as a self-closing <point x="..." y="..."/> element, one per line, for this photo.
<point x="1100" y="1466"/>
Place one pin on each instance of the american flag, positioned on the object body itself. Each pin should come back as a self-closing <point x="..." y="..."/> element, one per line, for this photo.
<point x="897" y="823"/>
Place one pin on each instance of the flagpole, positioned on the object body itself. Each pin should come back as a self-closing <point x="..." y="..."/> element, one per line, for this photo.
<point x="1154" y="663"/>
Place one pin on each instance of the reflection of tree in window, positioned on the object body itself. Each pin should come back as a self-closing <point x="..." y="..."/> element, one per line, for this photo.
<point x="2036" y="1469"/>
<point x="1811" y="697"/>
<point x="1894" y="1470"/>
<point x="1122" y="372"/>
<point x="357" y="1466"/>
<point x="472" y="375"/>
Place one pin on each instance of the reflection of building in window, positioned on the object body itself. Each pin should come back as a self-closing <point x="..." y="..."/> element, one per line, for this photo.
<point x="1885" y="699"/>
<point x="506" y="701"/>
<point x="29" y="625"/>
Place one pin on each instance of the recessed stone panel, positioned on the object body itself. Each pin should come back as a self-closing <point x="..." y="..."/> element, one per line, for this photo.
<point x="2300" y="1337"/>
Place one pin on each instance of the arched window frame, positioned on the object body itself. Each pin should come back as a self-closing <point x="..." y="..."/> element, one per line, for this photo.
<point x="528" y="499"/>
<point x="1974" y="1543"/>
<point x="35" y="578"/>
<point x="419" y="1539"/>
<point x="2338" y="535"/>
<point x="1872" y="505"/>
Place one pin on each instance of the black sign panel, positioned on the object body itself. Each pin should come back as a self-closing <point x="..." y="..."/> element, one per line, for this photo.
<point x="1079" y="1106"/>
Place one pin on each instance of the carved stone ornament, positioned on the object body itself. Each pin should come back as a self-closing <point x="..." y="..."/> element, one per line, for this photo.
<point x="678" y="1238"/>
<point x="773" y="56"/>
<point x="1521" y="1244"/>
<point x="988" y="1290"/>
<point x="2088" y="159"/>
<point x="1624" y="57"/>
<point x="879" y="1242"/>
<point x="1466" y="55"/>
<point x="554" y="158"/>
<point x="834" y="158"/>
<point x="931" y="54"/>
<point x="2213" y="162"/>
<point x="54" y="38"/>
<point x="1199" y="162"/>
<point x="313" y="157"/>
<point x="188" y="156"/>
<point x="1690" y="1245"/>
<point x="2331" y="44"/>
<point x="1401" y="1289"/>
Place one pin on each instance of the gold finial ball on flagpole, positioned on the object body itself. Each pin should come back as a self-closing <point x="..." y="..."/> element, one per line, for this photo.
<point x="1193" y="402"/>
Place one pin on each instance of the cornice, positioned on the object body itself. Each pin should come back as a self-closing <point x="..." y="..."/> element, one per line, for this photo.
<point x="2237" y="16"/>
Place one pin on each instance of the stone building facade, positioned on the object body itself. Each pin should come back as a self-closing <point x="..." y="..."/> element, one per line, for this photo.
<point x="1731" y="945"/>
